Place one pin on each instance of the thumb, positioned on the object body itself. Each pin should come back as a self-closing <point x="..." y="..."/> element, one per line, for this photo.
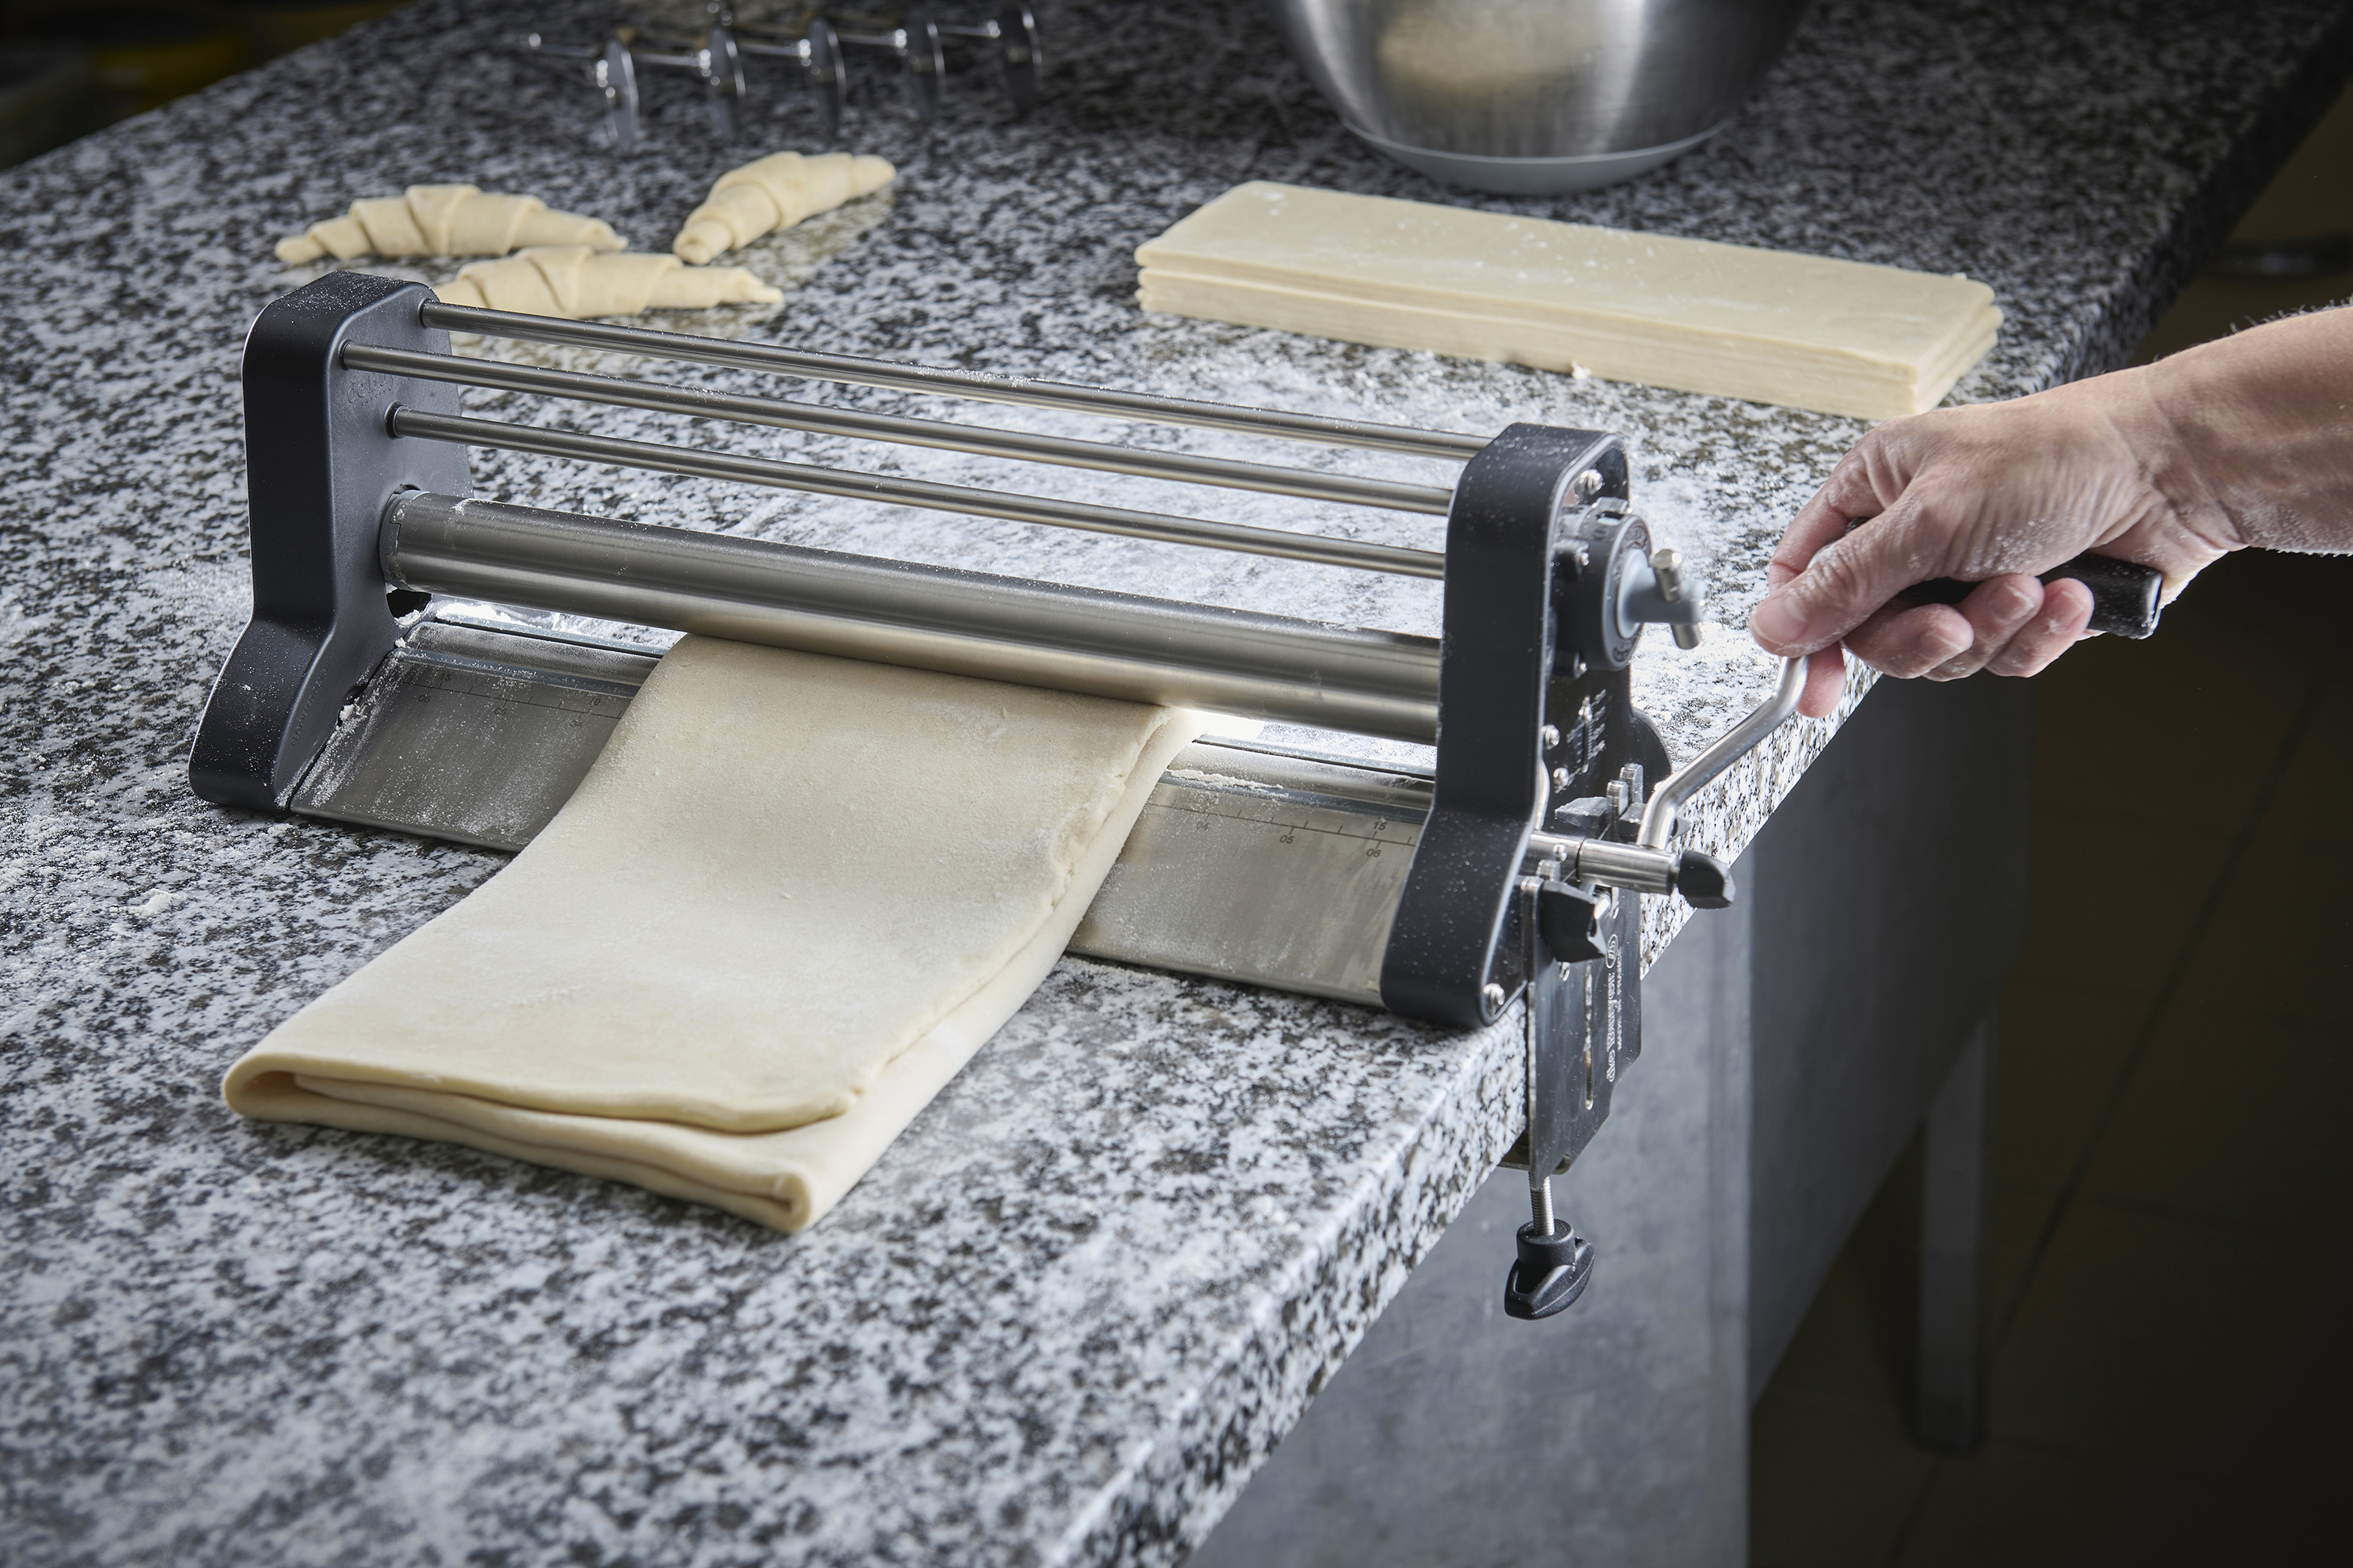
<point x="1845" y="584"/>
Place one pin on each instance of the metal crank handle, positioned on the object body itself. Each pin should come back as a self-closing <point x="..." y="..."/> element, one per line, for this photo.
<point x="2123" y="593"/>
<point x="1667" y="799"/>
<point x="1552" y="1265"/>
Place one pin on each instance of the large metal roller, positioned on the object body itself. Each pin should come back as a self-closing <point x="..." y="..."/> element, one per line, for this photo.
<point x="933" y="618"/>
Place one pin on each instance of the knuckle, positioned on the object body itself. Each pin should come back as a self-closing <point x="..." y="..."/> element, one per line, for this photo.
<point x="1833" y="575"/>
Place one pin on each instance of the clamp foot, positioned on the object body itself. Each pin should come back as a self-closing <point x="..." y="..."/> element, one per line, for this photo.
<point x="1551" y="1273"/>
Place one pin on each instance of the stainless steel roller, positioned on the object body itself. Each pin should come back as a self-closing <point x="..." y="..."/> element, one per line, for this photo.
<point x="1003" y="628"/>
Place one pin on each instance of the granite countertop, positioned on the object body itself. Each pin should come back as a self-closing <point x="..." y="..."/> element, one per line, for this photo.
<point x="1078" y="1303"/>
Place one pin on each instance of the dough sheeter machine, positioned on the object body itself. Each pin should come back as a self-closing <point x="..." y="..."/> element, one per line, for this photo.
<point x="1513" y="869"/>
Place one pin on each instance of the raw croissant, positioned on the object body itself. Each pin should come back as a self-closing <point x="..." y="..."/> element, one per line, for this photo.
<point x="445" y="220"/>
<point x="572" y="281"/>
<point x="776" y="192"/>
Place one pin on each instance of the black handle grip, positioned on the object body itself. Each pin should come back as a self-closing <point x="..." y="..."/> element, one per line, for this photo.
<point x="2123" y="593"/>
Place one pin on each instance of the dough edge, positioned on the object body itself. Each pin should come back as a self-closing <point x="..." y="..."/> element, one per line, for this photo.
<point x="1873" y="389"/>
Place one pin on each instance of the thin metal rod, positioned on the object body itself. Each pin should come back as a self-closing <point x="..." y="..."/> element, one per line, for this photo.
<point x="937" y="433"/>
<point x="928" y="618"/>
<point x="1540" y="1204"/>
<point x="1636" y="868"/>
<point x="897" y="491"/>
<point x="853" y="372"/>
<point x="1659" y="816"/>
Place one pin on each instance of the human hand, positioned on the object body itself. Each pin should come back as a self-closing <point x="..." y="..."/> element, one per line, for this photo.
<point x="1992" y="494"/>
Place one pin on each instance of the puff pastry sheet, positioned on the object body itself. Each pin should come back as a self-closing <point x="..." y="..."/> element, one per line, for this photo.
<point x="791" y="900"/>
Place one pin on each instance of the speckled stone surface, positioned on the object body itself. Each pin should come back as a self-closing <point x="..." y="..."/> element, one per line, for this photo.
<point x="1078" y="1303"/>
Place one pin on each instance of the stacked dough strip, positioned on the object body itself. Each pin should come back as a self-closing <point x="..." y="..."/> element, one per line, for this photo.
<point x="1806" y="332"/>
<point x="703" y="976"/>
<point x="445" y="220"/>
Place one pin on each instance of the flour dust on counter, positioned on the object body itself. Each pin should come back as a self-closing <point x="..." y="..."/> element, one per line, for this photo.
<point x="721" y="971"/>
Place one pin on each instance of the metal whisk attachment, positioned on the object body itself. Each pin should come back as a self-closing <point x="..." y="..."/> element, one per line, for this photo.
<point x="810" y="43"/>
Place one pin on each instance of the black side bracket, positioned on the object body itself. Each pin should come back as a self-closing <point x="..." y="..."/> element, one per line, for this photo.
<point x="1534" y="708"/>
<point x="1497" y="647"/>
<point x="321" y="465"/>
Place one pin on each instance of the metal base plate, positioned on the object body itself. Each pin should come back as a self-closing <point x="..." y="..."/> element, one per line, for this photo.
<point x="1265" y="867"/>
<point x="1249" y="862"/>
<point x="474" y="735"/>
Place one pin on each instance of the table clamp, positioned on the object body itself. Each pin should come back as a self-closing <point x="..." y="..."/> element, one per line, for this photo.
<point x="365" y="690"/>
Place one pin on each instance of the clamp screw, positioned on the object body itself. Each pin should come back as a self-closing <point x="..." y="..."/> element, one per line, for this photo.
<point x="1494" y="996"/>
<point x="1588" y="483"/>
<point x="1559" y="780"/>
<point x="1550" y="736"/>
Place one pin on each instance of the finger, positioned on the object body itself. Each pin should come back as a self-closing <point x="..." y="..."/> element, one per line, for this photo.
<point x="1996" y="609"/>
<point x="1909" y="640"/>
<point x="2059" y="625"/>
<point x="1825" y="683"/>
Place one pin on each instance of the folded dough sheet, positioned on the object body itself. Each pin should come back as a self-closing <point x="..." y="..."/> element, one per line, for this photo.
<point x="791" y="900"/>
<point x="1838" y="337"/>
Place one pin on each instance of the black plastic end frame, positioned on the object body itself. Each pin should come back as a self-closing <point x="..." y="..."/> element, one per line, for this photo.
<point x="1507" y="526"/>
<point x="320" y="463"/>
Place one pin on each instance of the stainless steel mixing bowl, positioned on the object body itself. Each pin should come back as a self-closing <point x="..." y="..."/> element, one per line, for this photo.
<point x="1535" y="96"/>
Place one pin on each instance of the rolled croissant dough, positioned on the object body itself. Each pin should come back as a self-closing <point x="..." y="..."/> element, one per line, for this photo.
<point x="792" y="898"/>
<point x="444" y="220"/>
<point x="573" y="281"/>
<point x="773" y="192"/>
<point x="1807" y="331"/>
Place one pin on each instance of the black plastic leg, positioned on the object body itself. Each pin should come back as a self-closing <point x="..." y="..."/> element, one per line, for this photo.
<point x="320" y="467"/>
